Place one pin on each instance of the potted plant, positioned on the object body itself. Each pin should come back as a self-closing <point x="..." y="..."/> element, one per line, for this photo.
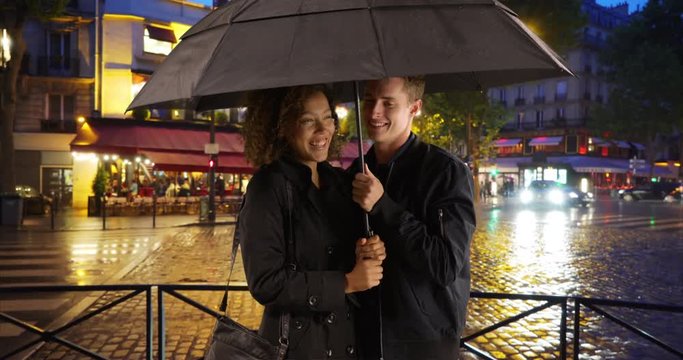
<point x="99" y="186"/>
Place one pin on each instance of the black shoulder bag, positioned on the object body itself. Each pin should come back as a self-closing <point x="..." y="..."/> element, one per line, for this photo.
<point x="230" y="340"/>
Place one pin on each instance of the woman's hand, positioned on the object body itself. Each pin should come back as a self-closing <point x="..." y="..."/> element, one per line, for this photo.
<point x="372" y="248"/>
<point x="368" y="271"/>
<point x="366" y="274"/>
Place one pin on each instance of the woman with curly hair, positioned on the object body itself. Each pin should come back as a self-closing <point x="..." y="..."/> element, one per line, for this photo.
<point x="290" y="133"/>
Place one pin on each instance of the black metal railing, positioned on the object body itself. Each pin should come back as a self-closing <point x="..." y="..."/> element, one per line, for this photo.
<point x="548" y="301"/>
<point x="58" y="66"/>
<point x="58" y="125"/>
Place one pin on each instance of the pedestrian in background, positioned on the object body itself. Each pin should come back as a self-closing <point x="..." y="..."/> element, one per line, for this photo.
<point x="419" y="199"/>
<point x="290" y="133"/>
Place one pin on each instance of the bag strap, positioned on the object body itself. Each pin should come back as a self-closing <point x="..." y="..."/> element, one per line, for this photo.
<point x="235" y="245"/>
<point x="290" y="258"/>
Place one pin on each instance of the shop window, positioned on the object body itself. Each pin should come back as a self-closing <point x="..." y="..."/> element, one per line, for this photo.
<point x="158" y="40"/>
<point x="572" y="144"/>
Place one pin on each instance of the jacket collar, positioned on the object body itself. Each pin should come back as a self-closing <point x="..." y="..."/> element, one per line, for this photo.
<point x="411" y="143"/>
<point x="300" y="174"/>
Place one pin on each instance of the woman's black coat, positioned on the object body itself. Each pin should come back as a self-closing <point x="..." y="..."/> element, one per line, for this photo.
<point x="325" y="229"/>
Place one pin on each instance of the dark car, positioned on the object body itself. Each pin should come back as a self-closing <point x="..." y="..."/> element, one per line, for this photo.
<point x="554" y="193"/>
<point x="653" y="191"/>
<point x="35" y="203"/>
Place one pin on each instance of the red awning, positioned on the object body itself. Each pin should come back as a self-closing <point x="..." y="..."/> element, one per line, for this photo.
<point x="169" y="148"/>
<point x="173" y="161"/>
<point x="131" y="139"/>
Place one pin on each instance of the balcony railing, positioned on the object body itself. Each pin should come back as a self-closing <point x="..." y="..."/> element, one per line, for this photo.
<point x="62" y="66"/>
<point x="162" y="291"/>
<point x="57" y="126"/>
<point x="539" y="100"/>
<point x="561" y="97"/>
<point x="520" y="101"/>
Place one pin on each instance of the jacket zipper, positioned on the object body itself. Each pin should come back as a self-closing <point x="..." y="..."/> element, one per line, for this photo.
<point x="443" y="232"/>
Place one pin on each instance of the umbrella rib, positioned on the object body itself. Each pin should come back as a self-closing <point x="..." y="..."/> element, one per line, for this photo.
<point x="379" y="45"/>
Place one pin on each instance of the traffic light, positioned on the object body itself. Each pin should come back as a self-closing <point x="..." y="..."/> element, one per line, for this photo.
<point x="494" y="172"/>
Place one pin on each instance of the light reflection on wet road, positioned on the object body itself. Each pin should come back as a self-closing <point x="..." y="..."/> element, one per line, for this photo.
<point x="611" y="250"/>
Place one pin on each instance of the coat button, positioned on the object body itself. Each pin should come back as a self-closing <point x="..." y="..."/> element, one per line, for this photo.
<point x="331" y="318"/>
<point x="328" y="352"/>
<point x="313" y="301"/>
<point x="350" y="350"/>
<point x="348" y="316"/>
<point x="298" y="325"/>
<point x="330" y="250"/>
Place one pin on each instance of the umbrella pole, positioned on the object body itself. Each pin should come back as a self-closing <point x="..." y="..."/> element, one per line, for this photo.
<point x="361" y="156"/>
<point x="366" y="219"/>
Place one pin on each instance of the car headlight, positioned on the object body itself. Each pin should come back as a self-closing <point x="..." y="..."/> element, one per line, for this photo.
<point x="621" y="191"/>
<point x="556" y="196"/>
<point x="573" y="195"/>
<point x="590" y="195"/>
<point x="526" y="196"/>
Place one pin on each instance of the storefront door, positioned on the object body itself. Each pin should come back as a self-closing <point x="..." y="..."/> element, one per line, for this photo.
<point x="57" y="182"/>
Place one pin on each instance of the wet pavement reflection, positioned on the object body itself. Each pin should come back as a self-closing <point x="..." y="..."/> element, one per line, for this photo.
<point x="613" y="251"/>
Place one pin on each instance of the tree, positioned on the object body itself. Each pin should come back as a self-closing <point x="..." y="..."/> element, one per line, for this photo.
<point x="551" y="20"/>
<point x="13" y="15"/>
<point x="644" y="61"/>
<point x="466" y="116"/>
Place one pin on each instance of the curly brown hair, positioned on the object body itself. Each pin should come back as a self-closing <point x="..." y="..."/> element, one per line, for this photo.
<point x="271" y="117"/>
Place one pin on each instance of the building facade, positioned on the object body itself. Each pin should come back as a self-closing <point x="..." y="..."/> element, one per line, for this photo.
<point x="548" y="138"/>
<point x="88" y="62"/>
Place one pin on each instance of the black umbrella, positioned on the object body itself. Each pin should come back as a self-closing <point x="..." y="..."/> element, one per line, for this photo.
<point x="257" y="44"/>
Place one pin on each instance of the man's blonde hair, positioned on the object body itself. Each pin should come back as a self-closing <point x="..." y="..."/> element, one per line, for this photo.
<point x="414" y="86"/>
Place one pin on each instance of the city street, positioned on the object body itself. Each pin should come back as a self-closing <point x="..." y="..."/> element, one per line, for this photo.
<point x="613" y="250"/>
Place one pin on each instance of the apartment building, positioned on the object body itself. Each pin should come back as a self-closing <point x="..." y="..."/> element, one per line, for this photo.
<point x="87" y="63"/>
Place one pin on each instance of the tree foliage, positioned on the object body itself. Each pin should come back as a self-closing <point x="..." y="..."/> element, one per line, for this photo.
<point x="467" y="117"/>
<point x="644" y="61"/>
<point x="553" y="20"/>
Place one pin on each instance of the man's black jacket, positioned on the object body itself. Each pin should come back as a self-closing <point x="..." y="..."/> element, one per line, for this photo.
<point x="426" y="219"/>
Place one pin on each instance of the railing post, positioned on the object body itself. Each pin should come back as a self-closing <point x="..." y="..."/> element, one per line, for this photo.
<point x="154" y="210"/>
<point x="577" y="327"/>
<point x="103" y="208"/>
<point x="161" y="336"/>
<point x="52" y="212"/>
<point x="563" y="330"/>
<point x="150" y="324"/>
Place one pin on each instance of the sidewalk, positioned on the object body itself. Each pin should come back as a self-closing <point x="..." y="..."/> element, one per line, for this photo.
<point x="78" y="219"/>
<point x="119" y="333"/>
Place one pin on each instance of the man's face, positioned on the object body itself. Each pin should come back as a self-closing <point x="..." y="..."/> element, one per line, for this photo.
<point x="387" y="111"/>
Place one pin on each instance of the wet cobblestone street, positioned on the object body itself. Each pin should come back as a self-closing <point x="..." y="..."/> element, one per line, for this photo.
<point x="514" y="251"/>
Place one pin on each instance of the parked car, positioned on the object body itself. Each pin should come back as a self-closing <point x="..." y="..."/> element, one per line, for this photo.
<point x="554" y="193"/>
<point x="674" y="196"/>
<point x="652" y="191"/>
<point x="35" y="203"/>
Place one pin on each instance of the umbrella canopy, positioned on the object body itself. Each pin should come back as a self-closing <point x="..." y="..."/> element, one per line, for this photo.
<point x="256" y="44"/>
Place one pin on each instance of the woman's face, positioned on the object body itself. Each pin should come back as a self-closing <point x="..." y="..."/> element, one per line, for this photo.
<point x="313" y="131"/>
